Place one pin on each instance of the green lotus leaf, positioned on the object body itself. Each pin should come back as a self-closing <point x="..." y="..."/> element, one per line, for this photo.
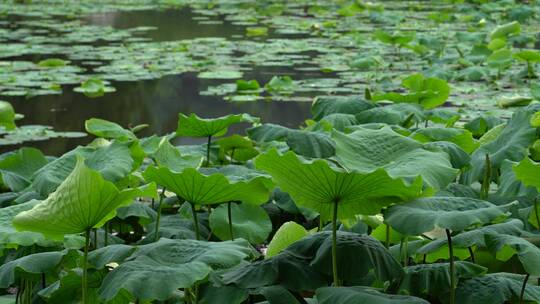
<point x="395" y="38"/>
<point x="316" y="185"/>
<point x="527" y="171"/>
<point x="83" y="201"/>
<point x="454" y="213"/>
<point x="474" y="237"/>
<point x="505" y="246"/>
<point x="480" y="125"/>
<point x="94" y="87"/>
<point x="169" y="156"/>
<point x="367" y="150"/>
<point x="362" y="295"/>
<point x="462" y="138"/>
<point x="155" y="271"/>
<point x="504" y="30"/>
<point x="364" y="252"/>
<point x="210" y="294"/>
<point x="510" y="186"/>
<point x="427" y="92"/>
<point x="394" y="114"/>
<point x="495" y="288"/>
<point x="52" y="63"/>
<point x="215" y="188"/>
<point x="326" y="105"/>
<point x="511" y="143"/>
<point x="443" y="116"/>
<point x="338" y="121"/>
<point x="286" y="235"/>
<point x="10" y="237"/>
<point x="33" y="264"/>
<point x="458" y="157"/>
<point x="434" y="279"/>
<point x="7" y="115"/>
<point x="247" y="85"/>
<point x="500" y="59"/>
<point x="113" y="161"/>
<point x="310" y="144"/>
<point x="237" y="147"/>
<point x="176" y="227"/>
<point x="107" y="129"/>
<point x="18" y="167"/>
<point x="194" y="126"/>
<point x="281" y="85"/>
<point x="248" y="222"/>
<point x="117" y="253"/>
<point x="277" y="294"/>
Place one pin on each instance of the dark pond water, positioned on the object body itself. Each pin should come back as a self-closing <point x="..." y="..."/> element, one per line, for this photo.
<point x="155" y="102"/>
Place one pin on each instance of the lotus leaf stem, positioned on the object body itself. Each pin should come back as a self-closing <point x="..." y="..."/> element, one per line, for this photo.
<point x="452" y="268"/>
<point x="158" y="217"/>
<point x="523" y="288"/>
<point x="229" y="216"/>
<point x="387" y="241"/>
<point x="195" y="220"/>
<point x="536" y="213"/>
<point x="334" y="244"/>
<point x="208" y="151"/>
<point x="471" y="253"/>
<point x="85" y="267"/>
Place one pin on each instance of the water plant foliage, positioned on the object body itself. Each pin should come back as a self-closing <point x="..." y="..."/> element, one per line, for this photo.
<point x="416" y="178"/>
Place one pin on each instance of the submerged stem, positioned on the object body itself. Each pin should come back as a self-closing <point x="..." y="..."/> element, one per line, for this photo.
<point x="195" y="220"/>
<point x="229" y="215"/>
<point x="452" y="270"/>
<point x="523" y="288"/>
<point x="334" y="244"/>
<point x="85" y="267"/>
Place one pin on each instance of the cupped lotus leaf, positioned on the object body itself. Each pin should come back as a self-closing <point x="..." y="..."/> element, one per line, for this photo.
<point x="237" y="147"/>
<point x="511" y="143"/>
<point x="9" y="236"/>
<point x="478" y="126"/>
<point x="476" y="237"/>
<point x="147" y="279"/>
<point x="461" y="137"/>
<point x="286" y="235"/>
<point x="94" y="87"/>
<point x="17" y="168"/>
<point x="458" y="157"/>
<point x="362" y="295"/>
<point x="443" y="116"/>
<point x="454" y="213"/>
<point x="339" y="121"/>
<point x="107" y="129"/>
<point x="367" y="150"/>
<point x="310" y="144"/>
<point x="113" y="161"/>
<point x="249" y="222"/>
<point x="434" y="279"/>
<point x="35" y="264"/>
<point x="527" y="171"/>
<point x="510" y="186"/>
<point x="210" y="294"/>
<point x="396" y="38"/>
<point x="277" y="294"/>
<point x="528" y="55"/>
<point x="84" y="200"/>
<point x="281" y="85"/>
<point x="156" y="270"/>
<point x="495" y="288"/>
<point x="325" y="105"/>
<point x="215" y="188"/>
<point x="505" y="246"/>
<point x="394" y="114"/>
<point x="195" y="126"/>
<point x="504" y="30"/>
<point x="169" y="156"/>
<point x="427" y="92"/>
<point x="500" y="59"/>
<point x="317" y="185"/>
<point x="7" y="115"/>
<point x="364" y="252"/>
<point x="117" y="253"/>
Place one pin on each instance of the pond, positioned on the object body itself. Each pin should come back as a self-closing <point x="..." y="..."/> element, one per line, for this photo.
<point x="162" y="59"/>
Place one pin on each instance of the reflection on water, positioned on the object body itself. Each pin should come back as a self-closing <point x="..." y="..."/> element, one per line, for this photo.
<point x="154" y="102"/>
